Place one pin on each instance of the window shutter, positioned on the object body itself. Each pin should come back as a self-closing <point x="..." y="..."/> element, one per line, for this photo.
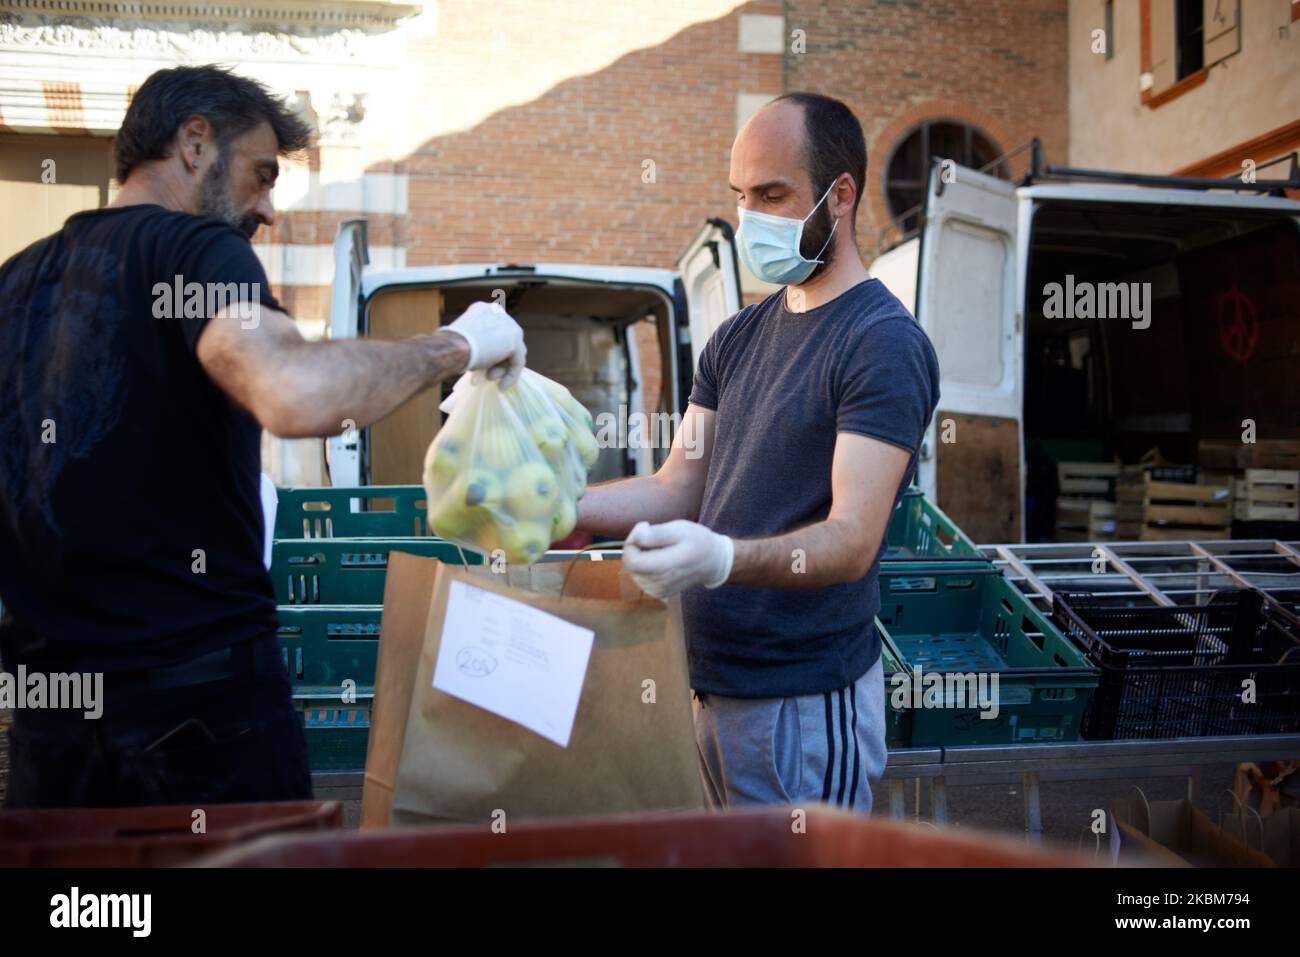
<point x="1163" y="69"/>
<point x="1222" y="29"/>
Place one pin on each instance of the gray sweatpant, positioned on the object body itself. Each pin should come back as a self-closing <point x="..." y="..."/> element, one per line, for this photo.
<point x="827" y="747"/>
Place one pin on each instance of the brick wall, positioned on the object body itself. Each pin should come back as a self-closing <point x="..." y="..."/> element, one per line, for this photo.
<point x="560" y="178"/>
<point x="999" y="64"/>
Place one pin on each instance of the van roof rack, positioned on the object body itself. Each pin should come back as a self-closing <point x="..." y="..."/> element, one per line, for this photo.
<point x="894" y="233"/>
<point x="1040" y="170"/>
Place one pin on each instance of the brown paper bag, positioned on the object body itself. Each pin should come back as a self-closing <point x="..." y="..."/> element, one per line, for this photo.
<point x="1277" y="835"/>
<point x="1177" y="834"/>
<point x="435" y="758"/>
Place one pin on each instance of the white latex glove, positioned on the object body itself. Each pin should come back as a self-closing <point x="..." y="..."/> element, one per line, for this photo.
<point x="496" y="343"/>
<point x="668" y="558"/>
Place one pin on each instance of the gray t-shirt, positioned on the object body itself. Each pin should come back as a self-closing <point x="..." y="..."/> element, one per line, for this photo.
<point x="783" y="386"/>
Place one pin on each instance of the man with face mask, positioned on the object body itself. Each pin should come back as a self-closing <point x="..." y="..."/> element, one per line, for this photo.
<point x="143" y="354"/>
<point x="807" y="412"/>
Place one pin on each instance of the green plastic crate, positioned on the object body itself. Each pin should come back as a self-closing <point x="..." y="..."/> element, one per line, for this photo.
<point x="325" y="645"/>
<point x="920" y="529"/>
<point x="375" y="511"/>
<point x="917" y="528"/>
<point x="337" y="732"/>
<point x="348" y="571"/>
<point x="898" y="721"/>
<point x="945" y="618"/>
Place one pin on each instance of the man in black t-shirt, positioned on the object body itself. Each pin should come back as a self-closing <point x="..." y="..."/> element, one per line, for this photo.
<point x="143" y="354"/>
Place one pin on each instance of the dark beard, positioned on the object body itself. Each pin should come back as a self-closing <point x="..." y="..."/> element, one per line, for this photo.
<point x="815" y="234"/>
<point x="215" y="201"/>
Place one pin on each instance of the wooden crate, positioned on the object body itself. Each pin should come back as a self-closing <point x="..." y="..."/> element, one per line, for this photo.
<point x="1172" y="511"/>
<point x="1178" y="533"/>
<point x="1224" y="479"/>
<point x="1221" y="454"/>
<point x="1273" y="454"/>
<point x="1075" y="479"/>
<point x="1084" y="520"/>
<point x="1268" y="495"/>
<point x="1129" y="519"/>
<point x="1234" y="455"/>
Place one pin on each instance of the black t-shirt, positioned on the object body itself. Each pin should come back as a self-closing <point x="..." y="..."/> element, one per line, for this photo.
<point x="784" y="385"/>
<point x="131" y="530"/>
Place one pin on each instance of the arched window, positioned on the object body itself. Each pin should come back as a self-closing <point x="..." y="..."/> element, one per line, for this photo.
<point x="908" y="168"/>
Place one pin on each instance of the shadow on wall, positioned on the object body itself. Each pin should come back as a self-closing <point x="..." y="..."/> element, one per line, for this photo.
<point x="619" y="166"/>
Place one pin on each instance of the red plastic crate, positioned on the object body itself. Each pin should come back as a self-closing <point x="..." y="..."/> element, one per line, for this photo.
<point x="761" y="837"/>
<point x="149" y="836"/>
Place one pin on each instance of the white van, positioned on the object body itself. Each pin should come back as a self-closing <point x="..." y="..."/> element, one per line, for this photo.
<point x="588" y="327"/>
<point x="1220" y="272"/>
<point x="1220" y="275"/>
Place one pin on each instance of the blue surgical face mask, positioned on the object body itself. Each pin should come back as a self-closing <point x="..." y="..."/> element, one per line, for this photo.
<point x="769" y="245"/>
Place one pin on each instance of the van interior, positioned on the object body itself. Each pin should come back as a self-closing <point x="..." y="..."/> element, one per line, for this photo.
<point x="1222" y="345"/>
<point x="609" y="344"/>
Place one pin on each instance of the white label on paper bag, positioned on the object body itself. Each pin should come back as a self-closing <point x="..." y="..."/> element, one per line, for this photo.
<point x="513" y="659"/>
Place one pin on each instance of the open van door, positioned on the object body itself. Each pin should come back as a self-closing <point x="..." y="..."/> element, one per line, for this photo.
<point x="968" y="302"/>
<point x="351" y="255"/>
<point x="710" y="278"/>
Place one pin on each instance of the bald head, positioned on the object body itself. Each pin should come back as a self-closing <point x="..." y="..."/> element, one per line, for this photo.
<point x="790" y="152"/>
<point x="768" y="170"/>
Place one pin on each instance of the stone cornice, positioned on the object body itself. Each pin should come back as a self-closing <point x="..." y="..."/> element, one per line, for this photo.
<point x="365" y="15"/>
<point x="177" y="39"/>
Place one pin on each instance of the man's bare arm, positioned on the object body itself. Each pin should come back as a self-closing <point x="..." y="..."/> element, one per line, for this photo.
<point x="675" y="491"/>
<point x="865" y="473"/>
<point x="297" y="389"/>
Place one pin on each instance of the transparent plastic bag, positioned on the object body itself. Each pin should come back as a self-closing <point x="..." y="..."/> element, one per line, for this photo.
<point x="507" y="468"/>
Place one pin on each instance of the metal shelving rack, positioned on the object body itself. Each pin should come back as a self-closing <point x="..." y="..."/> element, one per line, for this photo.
<point x="1168" y="573"/>
<point x="1165" y="572"/>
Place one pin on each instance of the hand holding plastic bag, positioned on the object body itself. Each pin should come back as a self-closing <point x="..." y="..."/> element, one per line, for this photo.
<point x="508" y="466"/>
<point x="496" y="342"/>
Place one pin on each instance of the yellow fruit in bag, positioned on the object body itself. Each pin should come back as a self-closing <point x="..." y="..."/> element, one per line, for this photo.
<point x="455" y="521"/>
<point x="507" y="468"/>
<point x="564" y="519"/>
<point x="585" y="442"/>
<point x="531" y="491"/>
<point x="448" y="457"/>
<point x="460" y="509"/>
<point x="525" y="542"/>
<point x="482" y="487"/>
<point x="497" y="448"/>
<point x="563" y="398"/>
<point x="549" y="433"/>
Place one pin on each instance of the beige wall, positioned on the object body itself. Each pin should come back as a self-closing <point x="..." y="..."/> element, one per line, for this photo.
<point x="1249" y="93"/>
<point x="44" y="180"/>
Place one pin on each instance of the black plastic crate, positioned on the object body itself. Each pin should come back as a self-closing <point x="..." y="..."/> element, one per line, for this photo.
<point x="1182" y="671"/>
